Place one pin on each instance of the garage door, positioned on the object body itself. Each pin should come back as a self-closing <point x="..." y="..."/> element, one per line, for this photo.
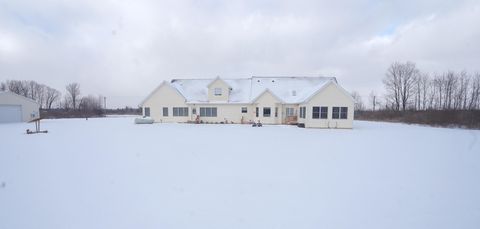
<point x="10" y="113"/>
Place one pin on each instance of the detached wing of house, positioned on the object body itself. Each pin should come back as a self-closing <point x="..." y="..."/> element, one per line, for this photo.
<point x="308" y="101"/>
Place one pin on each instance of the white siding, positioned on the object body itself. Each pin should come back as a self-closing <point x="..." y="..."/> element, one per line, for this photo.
<point x="166" y="96"/>
<point x="331" y="96"/>
<point x="29" y="108"/>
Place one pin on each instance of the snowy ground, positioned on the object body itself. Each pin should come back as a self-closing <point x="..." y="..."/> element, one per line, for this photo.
<point x="110" y="173"/>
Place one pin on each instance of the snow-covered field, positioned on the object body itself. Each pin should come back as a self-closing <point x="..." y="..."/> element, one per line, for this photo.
<point x="110" y="173"/>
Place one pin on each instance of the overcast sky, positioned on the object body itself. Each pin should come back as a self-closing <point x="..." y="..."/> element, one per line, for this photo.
<point x="123" y="49"/>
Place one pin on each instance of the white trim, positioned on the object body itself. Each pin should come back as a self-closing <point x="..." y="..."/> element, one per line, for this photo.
<point x="157" y="88"/>
<point x="265" y="91"/>
<point x="215" y="80"/>
<point x="325" y="86"/>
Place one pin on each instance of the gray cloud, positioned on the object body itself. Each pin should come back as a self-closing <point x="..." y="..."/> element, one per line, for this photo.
<point x="123" y="49"/>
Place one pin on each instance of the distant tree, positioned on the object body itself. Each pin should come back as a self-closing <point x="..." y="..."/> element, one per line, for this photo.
<point x="358" y="106"/>
<point x="18" y="87"/>
<point x="3" y="86"/>
<point x="474" y="102"/>
<point x="73" y="92"/>
<point x="51" y="96"/>
<point x="399" y="83"/>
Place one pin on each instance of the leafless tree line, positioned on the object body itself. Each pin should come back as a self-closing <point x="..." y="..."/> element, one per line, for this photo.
<point x="51" y="98"/>
<point x="407" y="88"/>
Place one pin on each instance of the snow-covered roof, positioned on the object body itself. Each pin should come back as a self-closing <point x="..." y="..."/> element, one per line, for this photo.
<point x="246" y="90"/>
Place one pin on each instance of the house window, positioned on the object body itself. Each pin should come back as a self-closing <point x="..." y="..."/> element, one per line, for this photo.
<point x="217" y="91"/>
<point x="165" y="111"/>
<point x="323" y="112"/>
<point x="180" y="111"/>
<point x="315" y="112"/>
<point x="276" y="111"/>
<point x="146" y="111"/>
<point x="208" y="112"/>
<point x="244" y="110"/>
<point x="343" y="112"/>
<point x="256" y="111"/>
<point x="335" y="112"/>
<point x="194" y="110"/>
<point x="267" y="112"/>
<point x="302" y="112"/>
<point x="290" y="111"/>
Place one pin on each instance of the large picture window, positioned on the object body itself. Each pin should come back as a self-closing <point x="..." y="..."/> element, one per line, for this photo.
<point x="267" y="112"/>
<point x="335" y="112"/>
<point x="343" y="112"/>
<point x="208" y="112"/>
<point x="180" y="111"/>
<point x="323" y="112"/>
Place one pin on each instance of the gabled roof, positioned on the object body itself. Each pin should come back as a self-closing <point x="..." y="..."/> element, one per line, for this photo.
<point x="345" y="92"/>
<point x="290" y="89"/>
<point x="215" y="80"/>
<point x="164" y="83"/>
<point x="264" y="92"/>
<point x="19" y="96"/>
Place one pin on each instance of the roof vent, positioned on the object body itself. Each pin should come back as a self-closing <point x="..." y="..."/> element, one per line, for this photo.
<point x="294" y="93"/>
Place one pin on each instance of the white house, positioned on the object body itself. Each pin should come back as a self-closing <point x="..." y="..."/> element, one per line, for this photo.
<point x="17" y="108"/>
<point x="307" y="101"/>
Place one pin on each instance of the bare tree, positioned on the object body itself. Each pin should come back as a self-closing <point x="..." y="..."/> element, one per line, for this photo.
<point x="421" y="90"/>
<point x="73" y="91"/>
<point x="359" y="106"/>
<point x="51" y="96"/>
<point x="399" y="83"/>
<point x="18" y="87"/>
<point x="3" y="86"/>
<point x="474" y="102"/>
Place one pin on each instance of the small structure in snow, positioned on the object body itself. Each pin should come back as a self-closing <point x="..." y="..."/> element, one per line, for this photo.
<point x="37" y="127"/>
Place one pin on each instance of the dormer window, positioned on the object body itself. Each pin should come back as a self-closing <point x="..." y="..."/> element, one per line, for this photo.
<point x="217" y="91"/>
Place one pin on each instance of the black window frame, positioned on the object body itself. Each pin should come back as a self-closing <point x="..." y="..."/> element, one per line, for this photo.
<point x="146" y="111"/>
<point x="315" y="112"/>
<point x="335" y="112"/>
<point x="265" y="114"/>
<point x="343" y="112"/>
<point x="323" y="112"/>
<point x="165" y="111"/>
